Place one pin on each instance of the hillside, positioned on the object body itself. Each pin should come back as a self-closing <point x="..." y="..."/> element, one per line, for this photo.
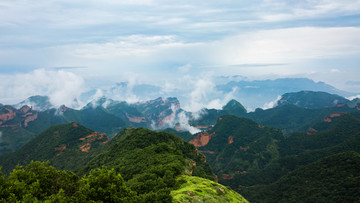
<point x="149" y="162"/>
<point x="238" y="146"/>
<point x="312" y="100"/>
<point x="66" y="146"/>
<point x="247" y="156"/>
<point x="19" y="125"/>
<point x="332" y="179"/>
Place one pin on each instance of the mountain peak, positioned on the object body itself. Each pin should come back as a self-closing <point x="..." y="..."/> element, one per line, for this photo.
<point x="234" y="107"/>
<point x="312" y="99"/>
<point x="37" y="102"/>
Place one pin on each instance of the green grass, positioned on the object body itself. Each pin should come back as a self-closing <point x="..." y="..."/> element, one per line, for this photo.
<point x="196" y="189"/>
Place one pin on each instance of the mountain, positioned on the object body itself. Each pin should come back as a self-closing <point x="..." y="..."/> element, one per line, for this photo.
<point x="99" y="119"/>
<point x="156" y="165"/>
<point x="237" y="146"/>
<point x="254" y="94"/>
<point x="37" y="103"/>
<point x="287" y="117"/>
<point x="18" y="126"/>
<point x="249" y="157"/>
<point x="205" y="118"/>
<point x="332" y="179"/>
<point x="67" y="146"/>
<point x="312" y="100"/>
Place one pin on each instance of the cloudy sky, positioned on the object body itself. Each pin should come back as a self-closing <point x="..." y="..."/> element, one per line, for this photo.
<point x="65" y="47"/>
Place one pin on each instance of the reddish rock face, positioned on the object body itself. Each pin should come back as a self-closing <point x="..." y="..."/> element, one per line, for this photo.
<point x="86" y="147"/>
<point x="227" y="176"/>
<point x="311" y="131"/>
<point x="25" y="114"/>
<point x="135" y="119"/>
<point x="202" y="139"/>
<point x="208" y="152"/>
<point x="231" y="140"/>
<point x="29" y="119"/>
<point x="333" y="115"/>
<point x="91" y="138"/>
<point x="25" y="109"/>
<point x="7" y="116"/>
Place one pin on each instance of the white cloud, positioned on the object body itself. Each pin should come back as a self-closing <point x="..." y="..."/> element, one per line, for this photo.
<point x="287" y="45"/>
<point x="353" y="97"/>
<point x="61" y="86"/>
<point x="184" y="123"/>
<point x="271" y="104"/>
<point x="310" y="9"/>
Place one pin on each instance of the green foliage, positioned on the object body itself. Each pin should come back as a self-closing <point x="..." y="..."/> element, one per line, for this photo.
<point x="332" y="179"/>
<point x="239" y="145"/>
<point x="99" y="119"/>
<point x="195" y="189"/>
<point x="105" y="185"/>
<point x="269" y="157"/>
<point x="38" y="181"/>
<point x="150" y="161"/>
<point x="44" y="147"/>
<point x="290" y="118"/>
<point x="312" y="100"/>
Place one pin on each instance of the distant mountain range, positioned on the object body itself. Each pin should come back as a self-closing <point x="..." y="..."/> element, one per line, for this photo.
<point x="294" y="112"/>
<point x="269" y="155"/>
<point x="251" y="94"/>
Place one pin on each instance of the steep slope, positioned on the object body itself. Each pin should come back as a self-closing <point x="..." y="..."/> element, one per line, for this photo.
<point x="244" y="154"/>
<point x="208" y="117"/>
<point x="18" y="126"/>
<point x="236" y="146"/>
<point x="290" y="118"/>
<point x="312" y="100"/>
<point x="332" y="179"/>
<point x="300" y="149"/>
<point x="97" y="118"/>
<point x="67" y="146"/>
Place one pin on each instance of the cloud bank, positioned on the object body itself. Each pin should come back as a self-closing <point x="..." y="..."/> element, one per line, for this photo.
<point x="62" y="87"/>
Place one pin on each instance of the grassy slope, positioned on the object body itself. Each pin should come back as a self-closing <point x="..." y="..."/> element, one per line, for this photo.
<point x="196" y="189"/>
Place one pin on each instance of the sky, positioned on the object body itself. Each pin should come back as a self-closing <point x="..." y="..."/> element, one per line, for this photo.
<point x="63" y="48"/>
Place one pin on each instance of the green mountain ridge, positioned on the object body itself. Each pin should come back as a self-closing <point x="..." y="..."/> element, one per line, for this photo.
<point x="332" y="179"/>
<point x="150" y="163"/>
<point x="248" y="156"/>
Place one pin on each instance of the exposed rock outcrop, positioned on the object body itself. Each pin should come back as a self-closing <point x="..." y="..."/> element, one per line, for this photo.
<point x="202" y="139"/>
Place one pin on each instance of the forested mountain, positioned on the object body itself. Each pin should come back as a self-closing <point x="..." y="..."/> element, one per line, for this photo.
<point x="332" y="179"/>
<point x="154" y="166"/>
<point x="18" y="126"/>
<point x="295" y="112"/>
<point x="312" y="100"/>
<point x="21" y="124"/>
<point x="246" y="155"/>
